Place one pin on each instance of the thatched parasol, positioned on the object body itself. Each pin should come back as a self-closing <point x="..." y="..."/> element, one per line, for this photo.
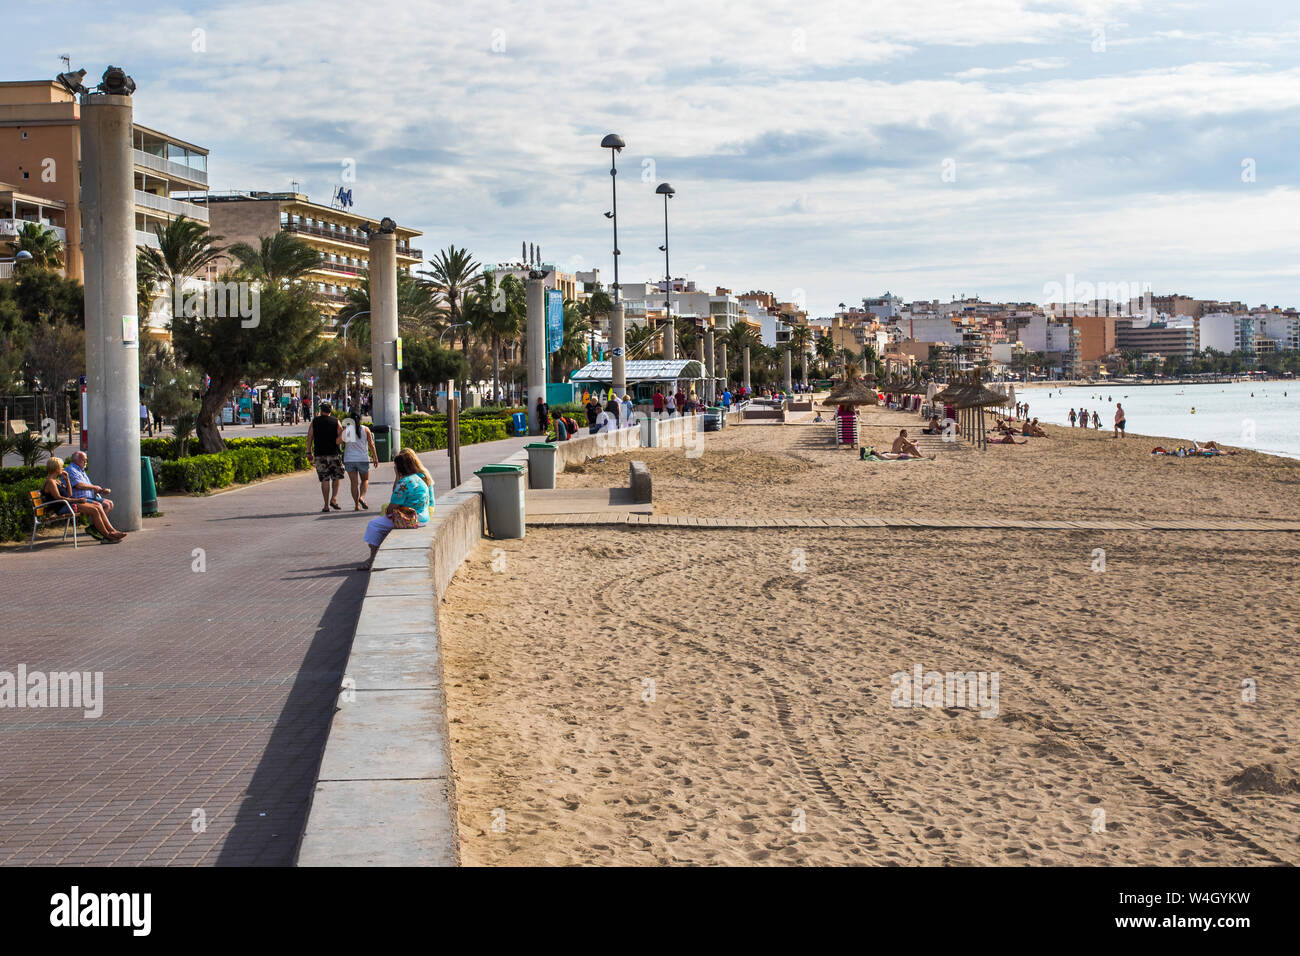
<point x="854" y="390"/>
<point x="978" y="396"/>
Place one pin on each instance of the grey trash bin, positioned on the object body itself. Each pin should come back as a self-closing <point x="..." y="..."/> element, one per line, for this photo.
<point x="541" y="464"/>
<point x="503" y="499"/>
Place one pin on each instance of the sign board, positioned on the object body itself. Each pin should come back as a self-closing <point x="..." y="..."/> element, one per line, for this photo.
<point x="616" y="351"/>
<point x="554" y="319"/>
<point x="399" y="353"/>
<point x="131" y="331"/>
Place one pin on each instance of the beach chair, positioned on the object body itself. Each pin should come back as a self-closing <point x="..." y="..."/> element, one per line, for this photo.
<point x="846" y="430"/>
<point x="41" y="518"/>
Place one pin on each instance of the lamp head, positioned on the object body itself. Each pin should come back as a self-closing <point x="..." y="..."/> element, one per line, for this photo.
<point x="23" y="256"/>
<point x="609" y="215"/>
<point x="665" y="189"/>
<point x="72" y="81"/>
<point x="612" y="141"/>
<point x="387" y="225"/>
<point x="116" y="82"/>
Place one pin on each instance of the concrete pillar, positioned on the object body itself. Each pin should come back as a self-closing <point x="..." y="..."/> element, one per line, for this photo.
<point x="803" y="366"/>
<point x="785" y="368"/>
<point x="386" y="404"/>
<point x="699" y="357"/>
<point x="711" y="368"/>
<point x="112" y="333"/>
<point x="670" y="340"/>
<point x="618" y="350"/>
<point x="745" y="366"/>
<point x="536" y="293"/>
<point x="722" y="365"/>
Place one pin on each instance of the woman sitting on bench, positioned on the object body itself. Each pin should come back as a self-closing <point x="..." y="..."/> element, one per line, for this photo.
<point x="52" y="493"/>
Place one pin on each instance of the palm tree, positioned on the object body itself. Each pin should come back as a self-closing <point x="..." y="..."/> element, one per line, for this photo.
<point x="496" y="326"/>
<point x="186" y="248"/>
<point x="279" y="260"/>
<point x="826" y="351"/>
<point x="41" y="242"/>
<point x="455" y="272"/>
<point x="800" y="337"/>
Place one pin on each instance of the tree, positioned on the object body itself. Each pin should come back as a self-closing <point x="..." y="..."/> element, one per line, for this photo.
<point x="55" y="355"/>
<point x="599" y="306"/>
<point x="455" y="272"/>
<point x="427" y="363"/>
<point x="169" y="385"/>
<point x="278" y="259"/>
<point x="285" y="339"/>
<point x="186" y="249"/>
<point x="497" y="314"/>
<point x="826" y="352"/>
<point x="42" y="242"/>
<point x="800" y="337"/>
<point x="41" y="295"/>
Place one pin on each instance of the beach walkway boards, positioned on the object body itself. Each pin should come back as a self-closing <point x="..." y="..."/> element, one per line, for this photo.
<point x="688" y="521"/>
<point x="221" y="630"/>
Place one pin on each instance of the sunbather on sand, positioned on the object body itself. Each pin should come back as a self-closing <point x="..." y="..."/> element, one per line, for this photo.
<point x="1008" y="439"/>
<point x="905" y="446"/>
<point x="869" y="454"/>
<point x="1034" y="430"/>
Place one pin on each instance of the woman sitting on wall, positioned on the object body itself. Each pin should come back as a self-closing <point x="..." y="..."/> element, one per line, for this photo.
<point x="410" y="506"/>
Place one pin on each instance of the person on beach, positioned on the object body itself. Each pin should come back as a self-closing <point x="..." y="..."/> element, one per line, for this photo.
<point x="934" y="428"/>
<point x="1072" y="418"/>
<point x="681" y="401"/>
<point x="324" y="450"/>
<point x="1119" y="420"/>
<point x="412" y="491"/>
<point x="605" y="422"/>
<point x="670" y="404"/>
<point x="905" y="446"/>
<point x="1096" y="422"/>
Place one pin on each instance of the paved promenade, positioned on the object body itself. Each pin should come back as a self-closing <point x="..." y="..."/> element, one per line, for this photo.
<point x="219" y="684"/>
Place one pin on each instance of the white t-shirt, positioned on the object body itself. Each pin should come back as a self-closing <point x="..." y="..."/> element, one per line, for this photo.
<point x="356" y="447"/>
<point x="604" y="421"/>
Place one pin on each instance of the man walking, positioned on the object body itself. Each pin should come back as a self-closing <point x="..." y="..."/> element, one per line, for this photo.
<point x="1119" y="420"/>
<point x="324" y="449"/>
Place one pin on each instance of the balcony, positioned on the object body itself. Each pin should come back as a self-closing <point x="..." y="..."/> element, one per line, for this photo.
<point x="143" y="238"/>
<point x="171" y="207"/>
<point x="178" y="171"/>
<point x="11" y="227"/>
<point x="341" y="268"/>
<point x="359" y="241"/>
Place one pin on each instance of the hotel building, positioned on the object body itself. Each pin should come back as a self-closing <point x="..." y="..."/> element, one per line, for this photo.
<point x="40" y="155"/>
<point x="336" y="235"/>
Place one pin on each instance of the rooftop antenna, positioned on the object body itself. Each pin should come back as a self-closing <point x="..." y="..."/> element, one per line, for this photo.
<point x="294" y="184"/>
<point x="67" y="62"/>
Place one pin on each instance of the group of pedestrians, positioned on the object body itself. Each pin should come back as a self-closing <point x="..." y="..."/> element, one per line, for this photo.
<point x="1081" y="417"/>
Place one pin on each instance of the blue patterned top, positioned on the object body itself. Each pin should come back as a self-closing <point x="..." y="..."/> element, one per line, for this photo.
<point x="414" y="493"/>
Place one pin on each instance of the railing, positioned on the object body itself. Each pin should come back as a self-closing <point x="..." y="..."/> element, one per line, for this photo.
<point x="337" y="236"/>
<point x="173" y="207"/>
<point x="143" y="238"/>
<point x="327" y="266"/>
<point x="6" y="270"/>
<point x="168" y="168"/>
<point x="11" y="227"/>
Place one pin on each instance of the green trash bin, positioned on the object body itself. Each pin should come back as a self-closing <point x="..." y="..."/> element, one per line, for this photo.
<point x="148" y="490"/>
<point x="503" y="499"/>
<point x="541" y="464"/>
<point x="383" y="441"/>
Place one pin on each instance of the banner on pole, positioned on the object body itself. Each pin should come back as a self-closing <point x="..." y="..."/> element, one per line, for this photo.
<point x="554" y="320"/>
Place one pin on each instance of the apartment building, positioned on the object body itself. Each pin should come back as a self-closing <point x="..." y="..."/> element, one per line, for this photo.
<point x="1096" y="336"/>
<point x="567" y="282"/>
<point x="1167" y="339"/>
<point x="40" y="154"/>
<point x="336" y="235"/>
<point x="19" y="207"/>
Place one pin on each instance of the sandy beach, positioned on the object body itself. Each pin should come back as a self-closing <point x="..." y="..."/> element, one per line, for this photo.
<point x="711" y="696"/>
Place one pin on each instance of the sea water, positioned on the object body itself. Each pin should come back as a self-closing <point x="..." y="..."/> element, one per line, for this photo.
<point x="1263" y="416"/>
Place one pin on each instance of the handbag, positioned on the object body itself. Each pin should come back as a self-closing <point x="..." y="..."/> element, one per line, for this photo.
<point x="403" y="517"/>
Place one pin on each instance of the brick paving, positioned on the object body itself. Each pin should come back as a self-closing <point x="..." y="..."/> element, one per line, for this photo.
<point x="219" y="686"/>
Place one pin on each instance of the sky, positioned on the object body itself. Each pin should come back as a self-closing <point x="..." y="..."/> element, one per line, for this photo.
<point x="821" y="151"/>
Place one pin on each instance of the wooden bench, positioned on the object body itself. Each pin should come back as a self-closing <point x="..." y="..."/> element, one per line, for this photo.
<point x="42" y="518"/>
<point x="18" y="427"/>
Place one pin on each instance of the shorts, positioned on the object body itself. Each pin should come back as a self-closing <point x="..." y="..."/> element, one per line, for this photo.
<point x="329" y="467"/>
<point x="360" y="467"/>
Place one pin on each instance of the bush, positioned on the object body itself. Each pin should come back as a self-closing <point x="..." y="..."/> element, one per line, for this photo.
<point x="165" y="448"/>
<point x="197" y="473"/>
<point x="9" y="476"/>
<point x="15" y="504"/>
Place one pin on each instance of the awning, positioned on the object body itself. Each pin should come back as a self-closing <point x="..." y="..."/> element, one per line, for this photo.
<point x="641" y="370"/>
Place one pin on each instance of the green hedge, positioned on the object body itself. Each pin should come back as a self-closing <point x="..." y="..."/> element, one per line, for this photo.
<point x="165" y="448"/>
<point x="15" y="504"/>
<point x="242" y="464"/>
<point x="9" y="476"/>
<point x="434" y="437"/>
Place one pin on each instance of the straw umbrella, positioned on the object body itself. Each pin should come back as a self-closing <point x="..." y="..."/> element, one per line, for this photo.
<point x="974" y="398"/>
<point x="853" y="391"/>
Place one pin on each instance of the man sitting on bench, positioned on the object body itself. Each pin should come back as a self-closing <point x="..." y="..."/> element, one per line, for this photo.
<point x="82" y="487"/>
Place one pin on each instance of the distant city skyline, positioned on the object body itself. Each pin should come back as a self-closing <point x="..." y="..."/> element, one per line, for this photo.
<point x="833" y="152"/>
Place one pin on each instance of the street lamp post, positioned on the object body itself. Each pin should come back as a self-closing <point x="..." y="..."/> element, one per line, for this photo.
<point x="618" y="365"/>
<point x="354" y="315"/>
<point x="670" y="344"/>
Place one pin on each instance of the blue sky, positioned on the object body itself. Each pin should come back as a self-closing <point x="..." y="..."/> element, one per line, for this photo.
<point x="808" y="143"/>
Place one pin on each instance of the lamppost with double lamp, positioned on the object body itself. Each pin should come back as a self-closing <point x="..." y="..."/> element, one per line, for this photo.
<point x="354" y="315"/>
<point x="614" y="143"/>
<point x="666" y="190"/>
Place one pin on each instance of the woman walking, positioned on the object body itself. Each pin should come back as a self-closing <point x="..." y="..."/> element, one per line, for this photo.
<point x="358" y="455"/>
<point x="410" y="506"/>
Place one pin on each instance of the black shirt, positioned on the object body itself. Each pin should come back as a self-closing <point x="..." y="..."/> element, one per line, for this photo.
<point x="325" y="436"/>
